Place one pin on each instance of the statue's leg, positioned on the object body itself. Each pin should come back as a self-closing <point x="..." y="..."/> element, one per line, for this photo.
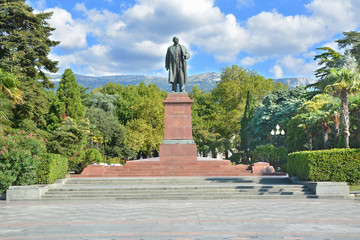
<point x="174" y="87"/>
<point x="181" y="80"/>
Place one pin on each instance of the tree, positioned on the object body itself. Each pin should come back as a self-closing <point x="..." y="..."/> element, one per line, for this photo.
<point x="249" y="112"/>
<point x="354" y="107"/>
<point x="9" y="86"/>
<point x="24" y="41"/>
<point x="342" y="83"/>
<point x="231" y="93"/>
<point x="103" y="101"/>
<point x="68" y="94"/>
<point x="112" y="132"/>
<point x="276" y="108"/>
<point x="351" y="39"/>
<point x="70" y="138"/>
<point x="315" y="117"/>
<point x="9" y="96"/>
<point x="205" y="116"/>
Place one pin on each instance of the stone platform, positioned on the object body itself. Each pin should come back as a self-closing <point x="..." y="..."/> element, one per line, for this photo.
<point x="178" y="152"/>
<point x="154" y="167"/>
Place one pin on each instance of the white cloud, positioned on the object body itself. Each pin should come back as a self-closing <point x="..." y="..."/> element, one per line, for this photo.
<point x="135" y="40"/>
<point x="295" y="66"/>
<point x="277" y="71"/>
<point x="71" y="33"/>
<point x="336" y="15"/>
<point x="249" y="61"/>
<point x="245" y="3"/>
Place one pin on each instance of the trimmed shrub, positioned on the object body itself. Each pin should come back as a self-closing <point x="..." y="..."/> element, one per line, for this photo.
<point x="276" y="156"/>
<point x="51" y="168"/>
<point x="116" y="160"/>
<point x="89" y="157"/>
<point x="336" y="165"/>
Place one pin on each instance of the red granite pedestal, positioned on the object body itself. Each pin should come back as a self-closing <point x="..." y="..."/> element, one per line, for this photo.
<point x="178" y="152"/>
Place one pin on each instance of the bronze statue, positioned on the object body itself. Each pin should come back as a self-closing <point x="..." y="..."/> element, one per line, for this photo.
<point x="175" y="63"/>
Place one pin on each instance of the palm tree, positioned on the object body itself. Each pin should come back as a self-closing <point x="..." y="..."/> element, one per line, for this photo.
<point x="8" y="85"/>
<point x="342" y="83"/>
<point x="9" y="95"/>
<point x="341" y="79"/>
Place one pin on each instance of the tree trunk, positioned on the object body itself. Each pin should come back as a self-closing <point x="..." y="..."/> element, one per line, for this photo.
<point x="337" y="128"/>
<point x="325" y="129"/>
<point x="345" y="117"/>
<point x="310" y="146"/>
<point x="326" y="138"/>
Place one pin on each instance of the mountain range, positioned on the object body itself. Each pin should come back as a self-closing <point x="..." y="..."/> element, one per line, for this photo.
<point x="205" y="81"/>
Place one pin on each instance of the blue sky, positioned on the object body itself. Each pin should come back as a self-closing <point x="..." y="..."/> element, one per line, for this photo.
<point x="276" y="38"/>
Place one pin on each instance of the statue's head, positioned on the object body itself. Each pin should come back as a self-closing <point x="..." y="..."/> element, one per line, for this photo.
<point x="176" y="39"/>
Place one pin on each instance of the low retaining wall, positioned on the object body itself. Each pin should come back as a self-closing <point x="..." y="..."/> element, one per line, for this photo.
<point x="30" y="192"/>
<point x="325" y="189"/>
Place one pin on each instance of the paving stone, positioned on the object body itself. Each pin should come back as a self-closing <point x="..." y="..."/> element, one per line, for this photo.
<point x="206" y="219"/>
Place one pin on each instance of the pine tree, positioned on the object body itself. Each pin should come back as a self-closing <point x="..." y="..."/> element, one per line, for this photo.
<point x="69" y="95"/>
<point x="24" y="41"/>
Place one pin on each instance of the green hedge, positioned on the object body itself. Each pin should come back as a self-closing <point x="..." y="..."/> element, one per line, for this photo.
<point x="336" y="165"/>
<point x="53" y="167"/>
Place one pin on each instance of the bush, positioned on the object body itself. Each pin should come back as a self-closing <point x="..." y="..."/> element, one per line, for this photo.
<point x="51" y="168"/>
<point x="336" y="165"/>
<point x="277" y="157"/>
<point x="116" y="160"/>
<point x="89" y="157"/>
<point x="20" y="155"/>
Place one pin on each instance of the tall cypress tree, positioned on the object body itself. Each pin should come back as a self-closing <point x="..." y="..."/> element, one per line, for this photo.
<point x="69" y="95"/>
<point x="249" y="113"/>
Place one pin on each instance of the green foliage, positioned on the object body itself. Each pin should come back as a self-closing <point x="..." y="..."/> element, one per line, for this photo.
<point x="35" y="106"/>
<point x="230" y="94"/>
<point x="25" y="41"/>
<point x="276" y="108"/>
<point x="328" y="59"/>
<point x="20" y="155"/>
<point x="249" y="113"/>
<point x="315" y="120"/>
<point x="110" y="88"/>
<point x="103" y="101"/>
<point x="336" y="165"/>
<point x="276" y="156"/>
<point x="354" y="108"/>
<point x="9" y="87"/>
<point x="69" y="96"/>
<point x="141" y="111"/>
<point x="112" y="132"/>
<point x="351" y="39"/>
<point x="205" y="116"/>
<point x="51" y="168"/>
<point x="70" y="138"/>
<point x="90" y="156"/>
<point x="116" y="160"/>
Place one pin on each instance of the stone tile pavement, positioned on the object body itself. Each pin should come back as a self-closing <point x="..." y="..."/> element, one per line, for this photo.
<point x="182" y="220"/>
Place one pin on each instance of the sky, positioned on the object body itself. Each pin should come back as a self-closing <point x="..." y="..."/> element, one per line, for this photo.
<point x="276" y="38"/>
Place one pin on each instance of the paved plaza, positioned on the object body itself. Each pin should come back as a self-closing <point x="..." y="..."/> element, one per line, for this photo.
<point x="180" y="220"/>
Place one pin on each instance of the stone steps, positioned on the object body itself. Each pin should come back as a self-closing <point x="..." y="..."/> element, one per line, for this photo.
<point x="176" y="188"/>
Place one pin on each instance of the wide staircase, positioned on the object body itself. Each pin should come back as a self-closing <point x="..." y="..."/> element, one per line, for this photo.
<point x="177" y="188"/>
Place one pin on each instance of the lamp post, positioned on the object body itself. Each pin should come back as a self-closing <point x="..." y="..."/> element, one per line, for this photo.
<point x="276" y="133"/>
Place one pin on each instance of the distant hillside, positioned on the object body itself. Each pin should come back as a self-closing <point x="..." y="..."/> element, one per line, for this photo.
<point x="205" y="81"/>
<point x="294" y="82"/>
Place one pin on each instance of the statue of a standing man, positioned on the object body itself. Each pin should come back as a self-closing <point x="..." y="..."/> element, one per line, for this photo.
<point x="175" y="63"/>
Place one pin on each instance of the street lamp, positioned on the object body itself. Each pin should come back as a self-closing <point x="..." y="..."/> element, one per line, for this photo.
<point x="276" y="133"/>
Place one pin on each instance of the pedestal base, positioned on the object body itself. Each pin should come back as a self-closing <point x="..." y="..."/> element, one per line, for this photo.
<point x="174" y="152"/>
